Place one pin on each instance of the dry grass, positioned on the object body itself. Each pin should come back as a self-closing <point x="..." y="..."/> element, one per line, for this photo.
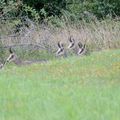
<point x="97" y="35"/>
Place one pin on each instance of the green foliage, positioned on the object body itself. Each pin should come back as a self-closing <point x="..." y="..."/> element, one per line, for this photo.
<point x="70" y="10"/>
<point x="31" y="13"/>
<point x="99" y="8"/>
<point x="11" y="9"/>
<point x="2" y="3"/>
<point x="55" y="21"/>
<point x="47" y="7"/>
<point x="39" y="10"/>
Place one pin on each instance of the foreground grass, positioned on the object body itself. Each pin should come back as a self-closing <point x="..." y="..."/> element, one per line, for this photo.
<point x="86" y="88"/>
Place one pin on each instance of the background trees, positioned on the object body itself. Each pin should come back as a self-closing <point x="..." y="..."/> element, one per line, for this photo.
<point x="20" y="23"/>
<point x="42" y="9"/>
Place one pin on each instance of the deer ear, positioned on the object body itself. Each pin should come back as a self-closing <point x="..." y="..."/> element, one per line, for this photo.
<point x="70" y="39"/>
<point x="10" y="50"/>
<point x="59" y="45"/>
<point x="82" y="49"/>
<point x="73" y="40"/>
<point x="80" y="45"/>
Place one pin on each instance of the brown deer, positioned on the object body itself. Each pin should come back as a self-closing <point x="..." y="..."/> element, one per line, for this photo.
<point x="79" y="49"/>
<point x="13" y="58"/>
<point x="60" y="50"/>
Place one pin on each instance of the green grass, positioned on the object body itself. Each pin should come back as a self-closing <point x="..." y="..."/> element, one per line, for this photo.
<point x="76" y="88"/>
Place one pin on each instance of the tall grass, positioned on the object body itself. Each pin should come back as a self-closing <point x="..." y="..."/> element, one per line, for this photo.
<point x="97" y="35"/>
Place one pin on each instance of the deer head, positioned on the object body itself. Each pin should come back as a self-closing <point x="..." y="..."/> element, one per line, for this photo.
<point x="12" y="56"/>
<point x="81" y="48"/>
<point x="72" y="42"/>
<point x="60" y="49"/>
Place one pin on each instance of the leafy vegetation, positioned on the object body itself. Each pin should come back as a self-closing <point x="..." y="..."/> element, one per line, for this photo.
<point x="43" y="9"/>
<point x="69" y="89"/>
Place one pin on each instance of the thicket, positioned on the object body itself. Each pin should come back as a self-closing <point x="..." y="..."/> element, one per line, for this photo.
<point x="45" y="22"/>
<point x="45" y="10"/>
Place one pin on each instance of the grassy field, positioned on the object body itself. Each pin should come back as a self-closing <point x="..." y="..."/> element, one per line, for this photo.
<point x="75" y="88"/>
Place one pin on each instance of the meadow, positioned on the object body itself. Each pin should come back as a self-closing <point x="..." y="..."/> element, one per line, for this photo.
<point x="74" y="88"/>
